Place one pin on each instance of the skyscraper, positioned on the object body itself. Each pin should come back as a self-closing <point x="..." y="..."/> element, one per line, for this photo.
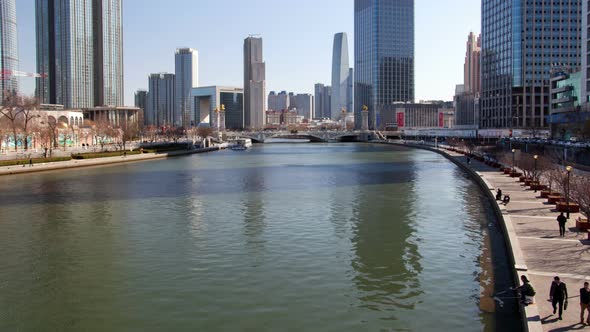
<point x="384" y="56"/>
<point x="522" y="42"/>
<point x="278" y="102"/>
<point x="107" y="33"/>
<point x="471" y="71"/>
<point x="160" y="105"/>
<point x="187" y="77"/>
<point x="340" y="72"/>
<point x="8" y="47"/>
<point x="80" y="52"/>
<point x="254" y="84"/>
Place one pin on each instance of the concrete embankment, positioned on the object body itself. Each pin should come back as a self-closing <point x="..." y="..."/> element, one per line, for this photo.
<point x="533" y="241"/>
<point x="62" y="165"/>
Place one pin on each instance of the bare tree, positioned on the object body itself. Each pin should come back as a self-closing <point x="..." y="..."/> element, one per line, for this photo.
<point x="29" y="112"/>
<point x="204" y="132"/>
<point x="580" y="193"/>
<point x="11" y="109"/>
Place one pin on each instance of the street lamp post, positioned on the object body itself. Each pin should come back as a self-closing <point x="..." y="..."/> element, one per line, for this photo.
<point x="567" y="195"/>
<point x="535" y="175"/>
<point x="513" y="160"/>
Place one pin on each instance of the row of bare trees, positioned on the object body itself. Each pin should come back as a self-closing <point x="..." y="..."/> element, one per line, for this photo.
<point x="17" y="115"/>
<point x="548" y="170"/>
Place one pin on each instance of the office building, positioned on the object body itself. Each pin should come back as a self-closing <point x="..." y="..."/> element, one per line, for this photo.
<point x="466" y="109"/>
<point x="569" y="114"/>
<point x="340" y="75"/>
<point x="141" y="99"/>
<point x="304" y="103"/>
<point x="254" y="84"/>
<point x="160" y="105"/>
<point x="322" y="101"/>
<point x="383" y="55"/>
<point x="186" y="62"/>
<point x="8" y="47"/>
<point x="205" y="100"/>
<point x="415" y="116"/>
<point x="80" y="52"/>
<point x="350" y="92"/>
<point x="521" y="42"/>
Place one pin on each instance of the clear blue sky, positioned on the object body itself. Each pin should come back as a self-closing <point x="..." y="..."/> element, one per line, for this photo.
<point x="297" y="36"/>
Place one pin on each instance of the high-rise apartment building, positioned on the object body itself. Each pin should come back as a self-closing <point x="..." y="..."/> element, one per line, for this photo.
<point x="254" y="84"/>
<point x="383" y="55"/>
<point x="160" y="104"/>
<point x="8" y="47"/>
<point x="322" y="101"/>
<point x="471" y="72"/>
<point x="340" y="75"/>
<point x="278" y="102"/>
<point x="304" y="102"/>
<point x="187" y="77"/>
<point x="80" y="52"/>
<point x="522" y="42"/>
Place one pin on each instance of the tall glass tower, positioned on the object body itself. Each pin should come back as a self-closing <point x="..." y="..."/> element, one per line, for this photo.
<point x="340" y="72"/>
<point x="523" y="41"/>
<point x="8" y="47"/>
<point x="80" y="52"/>
<point x="384" y="56"/>
<point x="187" y="77"/>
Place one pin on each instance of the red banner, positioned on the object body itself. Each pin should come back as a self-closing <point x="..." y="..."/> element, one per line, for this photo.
<point x="441" y="120"/>
<point x="401" y="120"/>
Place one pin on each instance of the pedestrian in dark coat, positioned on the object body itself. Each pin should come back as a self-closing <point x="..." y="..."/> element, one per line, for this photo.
<point x="558" y="296"/>
<point x="561" y="220"/>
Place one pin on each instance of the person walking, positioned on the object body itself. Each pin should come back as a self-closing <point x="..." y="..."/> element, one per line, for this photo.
<point x="30" y="162"/>
<point x="585" y="303"/>
<point x="561" y="220"/>
<point x="499" y="194"/>
<point x="558" y="296"/>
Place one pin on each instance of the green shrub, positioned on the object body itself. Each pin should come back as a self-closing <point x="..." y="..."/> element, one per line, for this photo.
<point x="35" y="161"/>
<point x="103" y="155"/>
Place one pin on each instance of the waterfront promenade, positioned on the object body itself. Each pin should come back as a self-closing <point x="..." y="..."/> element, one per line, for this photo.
<point x="62" y="165"/>
<point x="539" y="252"/>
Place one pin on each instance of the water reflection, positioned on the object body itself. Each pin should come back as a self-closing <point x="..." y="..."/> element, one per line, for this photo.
<point x="387" y="263"/>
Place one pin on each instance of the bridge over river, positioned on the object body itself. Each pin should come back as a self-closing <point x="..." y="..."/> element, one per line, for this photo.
<point x="324" y="136"/>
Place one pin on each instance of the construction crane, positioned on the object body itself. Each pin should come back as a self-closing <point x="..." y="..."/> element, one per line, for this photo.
<point x="8" y="74"/>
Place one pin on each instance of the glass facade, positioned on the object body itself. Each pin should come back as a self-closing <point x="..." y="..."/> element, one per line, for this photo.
<point x="523" y="41"/>
<point x="384" y="56"/>
<point x="234" y="109"/>
<point x="80" y="51"/>
<point x="340" y="72"/>
<point x="8" y="47"/>
<point x="187" y="77"/>
<point x="160" y="104"/>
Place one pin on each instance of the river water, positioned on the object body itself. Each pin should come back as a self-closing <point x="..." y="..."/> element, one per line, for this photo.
<point x="342" y="237"/>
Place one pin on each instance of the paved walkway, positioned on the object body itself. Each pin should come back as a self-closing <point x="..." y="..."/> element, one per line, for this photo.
<point x="61" y="165"/>
<point x="544" y="254"/>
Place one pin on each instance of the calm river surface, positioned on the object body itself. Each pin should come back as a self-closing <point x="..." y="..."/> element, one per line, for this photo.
<point x="344" y="237"/>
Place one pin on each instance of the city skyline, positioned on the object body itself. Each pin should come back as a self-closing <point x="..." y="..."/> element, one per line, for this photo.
<point x="310" y="46"/>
